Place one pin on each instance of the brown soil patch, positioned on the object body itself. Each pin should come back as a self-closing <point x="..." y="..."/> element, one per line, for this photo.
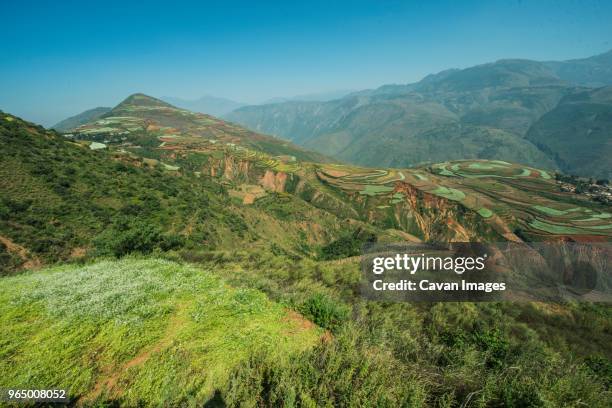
<point x="303" y="323"/>
<point x="248" y="199"/>
<point x="336" y="173"/>
<point x="30" y="261"/>
<point x="589" y="238"/>
<point x="78" y="252"/>
<point x="110" y="375"/>
<point x="326" y="337"/>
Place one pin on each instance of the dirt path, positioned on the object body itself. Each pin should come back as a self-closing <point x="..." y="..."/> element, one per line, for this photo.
<point x="29" y="261"/>
<point x="109" y="376"/>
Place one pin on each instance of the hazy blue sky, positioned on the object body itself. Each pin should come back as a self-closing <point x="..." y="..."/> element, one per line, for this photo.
<point x="60" y="57"/>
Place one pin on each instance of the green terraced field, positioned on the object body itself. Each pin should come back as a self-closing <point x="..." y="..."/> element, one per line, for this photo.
<point x="518" y="195"/>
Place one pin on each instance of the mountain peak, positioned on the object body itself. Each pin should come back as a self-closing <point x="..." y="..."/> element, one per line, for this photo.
<point x="140" y="99"/>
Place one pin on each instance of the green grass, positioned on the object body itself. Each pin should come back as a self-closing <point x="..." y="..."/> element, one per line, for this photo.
<point x="554" y="228"/>
<point x="166" y="333"/>
<point x="550" y="211"/>
<point x="485" y="212"/>
<point x="372" y="190"/>
<point x="450" y="193"/>
<point x="545" y="175"/>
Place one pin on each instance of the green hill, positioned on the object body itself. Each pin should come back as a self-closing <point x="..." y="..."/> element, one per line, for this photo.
<point x="77" y="120"/>
<point x="141" y="120"/>
<point x="138" y="332"/>
<point x="576" y="134"/>
<point x="60" y="200"/>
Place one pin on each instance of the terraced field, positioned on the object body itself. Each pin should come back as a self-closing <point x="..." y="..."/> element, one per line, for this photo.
<point x="142" y="122"/>
<point x="511" y="197"/>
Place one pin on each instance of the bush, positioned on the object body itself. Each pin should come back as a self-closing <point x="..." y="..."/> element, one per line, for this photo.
<point x="340" y="372"/>
<point x="325" y="312"/>
<point x="135" y="236"/>
<point x="495" y="344"/>
<point x="347" y="245"/>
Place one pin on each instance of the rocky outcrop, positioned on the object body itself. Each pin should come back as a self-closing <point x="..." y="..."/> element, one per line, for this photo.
<point x="440" y="219"/>
<point x="274" y="181"/>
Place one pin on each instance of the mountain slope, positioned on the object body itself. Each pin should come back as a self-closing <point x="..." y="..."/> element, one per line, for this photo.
<point x="470" y="110"/>
<point x="577" y="134"/>
<point x="145" y="327"/>
<point x="60" y="200"/>
<point x="208" y="104"/>
<point x="398" y="200"/>
<point x="593" y="71"/>
<point x="481" y="112"/>
<point x="77" y="120"/>
<point x="145" y="120"/>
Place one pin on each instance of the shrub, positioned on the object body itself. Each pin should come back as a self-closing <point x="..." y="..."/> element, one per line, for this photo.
<point x="347" y="245"/>
<point x="324" y="311"/>
<point x="135" y="236"/>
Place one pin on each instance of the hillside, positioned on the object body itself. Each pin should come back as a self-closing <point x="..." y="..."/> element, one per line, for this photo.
<point x="372" y="195"/>
<point x="482" y="112"/>
<point x="150" y="332"/>
<point x="141" y="120"/>
<point x="80" y="119"/>
<point x="60" y="200"/>
<point x="576" y="134"/>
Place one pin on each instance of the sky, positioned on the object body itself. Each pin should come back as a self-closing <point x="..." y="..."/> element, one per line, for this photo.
<point x="59" y="58"/>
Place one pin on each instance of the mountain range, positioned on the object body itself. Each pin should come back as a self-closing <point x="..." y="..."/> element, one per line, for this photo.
<point x="511" y="110"/>
<point x="209" y="104"/>
<point x="80" y="119"/>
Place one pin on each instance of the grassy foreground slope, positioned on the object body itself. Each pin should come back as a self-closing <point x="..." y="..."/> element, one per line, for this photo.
<point x="147" y="332"/>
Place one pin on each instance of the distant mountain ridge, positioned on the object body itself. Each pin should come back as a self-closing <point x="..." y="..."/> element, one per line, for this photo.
<point x="80" y="119"/>
<point x="211" y="105"/>
<point x="481" y="112"/>
<point x="317" y="97"/>
<point x="595" y="71"/>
